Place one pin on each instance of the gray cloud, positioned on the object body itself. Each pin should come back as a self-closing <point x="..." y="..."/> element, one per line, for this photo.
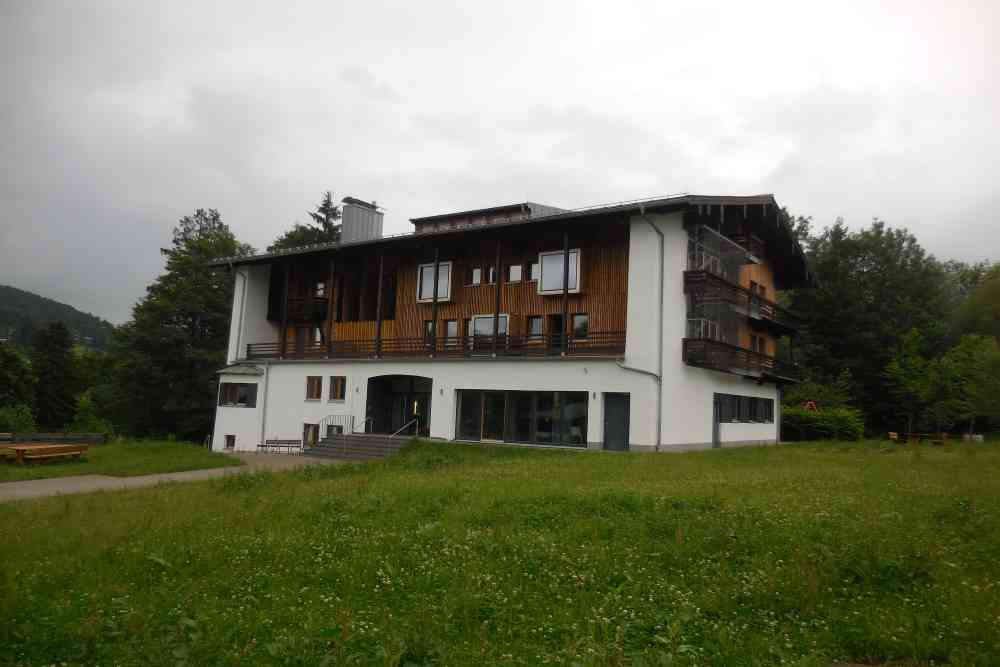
<point x="118" y="118"/>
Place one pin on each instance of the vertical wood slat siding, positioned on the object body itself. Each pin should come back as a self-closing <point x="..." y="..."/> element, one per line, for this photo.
<point x="603" y="293"/>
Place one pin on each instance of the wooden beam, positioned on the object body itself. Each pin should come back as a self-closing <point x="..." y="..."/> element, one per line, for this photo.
<point x="284" y="309"/>
<point x="378" y="306"/>
<point x="329" y="308"/>
<point x="496" y="301"/>
<point x="434" y="300"/>
<point x="565" y="295"/>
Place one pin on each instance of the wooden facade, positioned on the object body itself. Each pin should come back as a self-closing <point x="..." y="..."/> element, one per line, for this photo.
<point x="347" y="282"/>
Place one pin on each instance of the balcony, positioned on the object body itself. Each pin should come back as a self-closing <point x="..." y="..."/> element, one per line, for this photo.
<point x="706" y="287"/>
<point x="719" y="356"/>
<point x="595" y="344"/>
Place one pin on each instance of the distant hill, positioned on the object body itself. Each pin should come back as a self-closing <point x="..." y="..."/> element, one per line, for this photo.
<point x="21" y="313"/>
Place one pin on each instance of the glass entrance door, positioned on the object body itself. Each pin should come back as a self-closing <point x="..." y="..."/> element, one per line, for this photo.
<point x="494" y="415"/>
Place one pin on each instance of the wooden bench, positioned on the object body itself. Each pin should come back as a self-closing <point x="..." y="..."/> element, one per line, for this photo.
<point x="42" y="452"/>
<point x="278" y="445"/>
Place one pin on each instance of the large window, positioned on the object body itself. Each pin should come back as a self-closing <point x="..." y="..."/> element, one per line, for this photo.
<point x="482" y="325"/>
<point x="581" y="325"/>
<point x="338" y="387"/>
<point x="535" y="323"/>
<point x="544" y="417"/>
<point x="745" y="409"/>
<point x="314" y="387"/>
<point x="425" y="282"/>
<point x="451" y="332"/>
<point x="551" y="279"/>
<point x="238" y="394"/>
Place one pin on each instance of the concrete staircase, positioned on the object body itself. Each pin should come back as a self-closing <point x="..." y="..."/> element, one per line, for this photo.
<point x="358" y="446"/>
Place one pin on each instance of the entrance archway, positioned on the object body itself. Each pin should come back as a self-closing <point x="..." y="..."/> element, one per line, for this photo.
<point x="395" y="400"/>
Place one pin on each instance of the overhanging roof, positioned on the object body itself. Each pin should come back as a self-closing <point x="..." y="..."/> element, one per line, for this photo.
<point x="778" y="233"/>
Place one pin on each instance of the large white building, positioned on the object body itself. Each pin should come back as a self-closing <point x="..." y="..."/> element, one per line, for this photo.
<point x="648" y="326"/>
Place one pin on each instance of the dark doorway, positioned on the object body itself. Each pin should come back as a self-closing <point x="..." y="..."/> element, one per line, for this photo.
<point x="556" y="331"/>
<point x="616" y="409"/>
<point x="396" y="400"/>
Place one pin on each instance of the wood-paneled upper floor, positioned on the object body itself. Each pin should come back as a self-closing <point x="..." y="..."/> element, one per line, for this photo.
<point x="337" y="297"/>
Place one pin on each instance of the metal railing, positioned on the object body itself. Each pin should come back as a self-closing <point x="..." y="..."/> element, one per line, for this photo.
<point x="531" y="345"/>
<point x="706" y="286"/>
<point x="720" y="356"/>
<point x="413" y="422"/>
<point x="345" y="424"/>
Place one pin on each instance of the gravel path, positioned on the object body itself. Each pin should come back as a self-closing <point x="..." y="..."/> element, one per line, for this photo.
<point x="37" y="488"/>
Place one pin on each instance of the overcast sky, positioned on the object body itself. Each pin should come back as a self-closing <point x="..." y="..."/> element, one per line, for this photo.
<point x="118" y="118"/>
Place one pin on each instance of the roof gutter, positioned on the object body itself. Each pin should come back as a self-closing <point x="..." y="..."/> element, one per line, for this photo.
<point x="658" y="375"/>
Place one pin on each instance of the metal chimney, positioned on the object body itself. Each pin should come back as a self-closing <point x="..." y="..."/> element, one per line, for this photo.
<point x="360" y="220"/>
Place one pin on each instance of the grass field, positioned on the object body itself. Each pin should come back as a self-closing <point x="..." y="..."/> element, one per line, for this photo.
<point x="123" y="459"/>
<point x="449" y="554"/>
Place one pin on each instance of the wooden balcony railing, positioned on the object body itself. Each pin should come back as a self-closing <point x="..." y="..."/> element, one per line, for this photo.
<point x="719" y="356"/>
<point x="705" y="286"/>
<point x="595" y="344"/>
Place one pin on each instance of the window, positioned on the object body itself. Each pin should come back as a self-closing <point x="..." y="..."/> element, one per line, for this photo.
<point x="482" y="325"/>
<point x="334" y="429"/>
<point x="425" y="282"/>
<point x="451" y="332"/>
<point x="314" y="388"/>
<point x="310" y="434"/>
<point x="338" y="387"/>
<point x="548" y="417"/>
<point x="551" y="280"/>
<point x="428" y="330"/>
<point x="319" y="291"/>
<point x="238" y="394"/>
<point x="474" y="276"/>
<point x="514" y="273"/>
<point x="581" y="325"/>
<point x="317" y="336"/>
<point x="534" y="271"/>
<point x="493" y="275"/>
<point x="535" y="326"/>
<point x="230" y="442"/>
<point x="745" y="409"/>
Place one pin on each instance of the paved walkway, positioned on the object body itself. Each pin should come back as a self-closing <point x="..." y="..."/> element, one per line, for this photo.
<point x="37" y="488"/>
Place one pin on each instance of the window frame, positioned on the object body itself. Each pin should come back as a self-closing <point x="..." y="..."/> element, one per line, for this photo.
<point x="573" y="252"/>
<point x="224" y="395"/>
<point x="335" y="381"/>
<point x="450" y="339"/>
<point x="520" y="273"/>
<point x="535" y="335"/>
<point x="447" y="282"/>
<point x="534" y="266"/>
<point x="572" y="326"/>
<point x="474" y="278"/>
<point x="309" y="383"/>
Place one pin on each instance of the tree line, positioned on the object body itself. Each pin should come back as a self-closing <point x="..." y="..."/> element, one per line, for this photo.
<point x="892" y="335"/>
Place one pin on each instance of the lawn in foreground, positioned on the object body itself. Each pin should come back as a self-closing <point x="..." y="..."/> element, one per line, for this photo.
<point x="123" y="459"/>
<point x="451" y="554"/>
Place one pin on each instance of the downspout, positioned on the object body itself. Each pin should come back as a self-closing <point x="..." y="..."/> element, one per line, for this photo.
<point x="263" y="405"/>
<point x="658" y="375"/>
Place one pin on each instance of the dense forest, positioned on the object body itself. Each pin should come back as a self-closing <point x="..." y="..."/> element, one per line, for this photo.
<point x="893" y="339"/>
<point x="22" y="313"/>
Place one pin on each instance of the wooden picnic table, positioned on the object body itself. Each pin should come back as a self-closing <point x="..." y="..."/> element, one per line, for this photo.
<point x="42" y="451"/>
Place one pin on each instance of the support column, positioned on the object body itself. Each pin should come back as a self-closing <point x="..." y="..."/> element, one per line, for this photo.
<point x="329" y="309"/>
<point x="284" y="310"/>
<point x="434" y="301"/>
<point x="496" y="301"/>
<point x="565" y="295"/>
<point x="378" y="306"/>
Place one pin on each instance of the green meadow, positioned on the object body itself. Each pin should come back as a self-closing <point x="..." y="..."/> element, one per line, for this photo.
<point x="126" y="458"/>
<point x="807" y="554"/>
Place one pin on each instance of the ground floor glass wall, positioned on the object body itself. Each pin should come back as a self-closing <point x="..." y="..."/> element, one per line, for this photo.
<point x="540" y="417"/>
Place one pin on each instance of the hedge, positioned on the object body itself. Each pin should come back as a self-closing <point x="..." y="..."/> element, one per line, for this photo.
<point x="829" y="424"/>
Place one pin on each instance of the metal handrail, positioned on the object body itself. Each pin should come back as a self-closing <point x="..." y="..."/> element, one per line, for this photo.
<point x="415" y="420"/>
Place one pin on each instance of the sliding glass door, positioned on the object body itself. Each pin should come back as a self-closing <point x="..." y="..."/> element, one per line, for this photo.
<point x="494" y="415"/>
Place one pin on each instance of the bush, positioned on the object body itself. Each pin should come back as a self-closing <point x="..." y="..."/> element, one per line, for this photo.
<point x="17" y="419"/>
<point x="830" y="424"/>
<point x="85" y="420"/>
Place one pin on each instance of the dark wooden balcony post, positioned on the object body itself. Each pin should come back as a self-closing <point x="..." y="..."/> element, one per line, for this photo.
<point x="434" y="300"/>
<point x="378" y="306"/>
<point x="565" y="295"/>
<point x="496" y="302"/>
<point x="329" y="308"/>
<point x="284" y="309"/>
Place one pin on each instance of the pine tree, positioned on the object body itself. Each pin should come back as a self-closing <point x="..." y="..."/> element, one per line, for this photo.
<point x="324" y="227"/>
<point x="52" y="364"/>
